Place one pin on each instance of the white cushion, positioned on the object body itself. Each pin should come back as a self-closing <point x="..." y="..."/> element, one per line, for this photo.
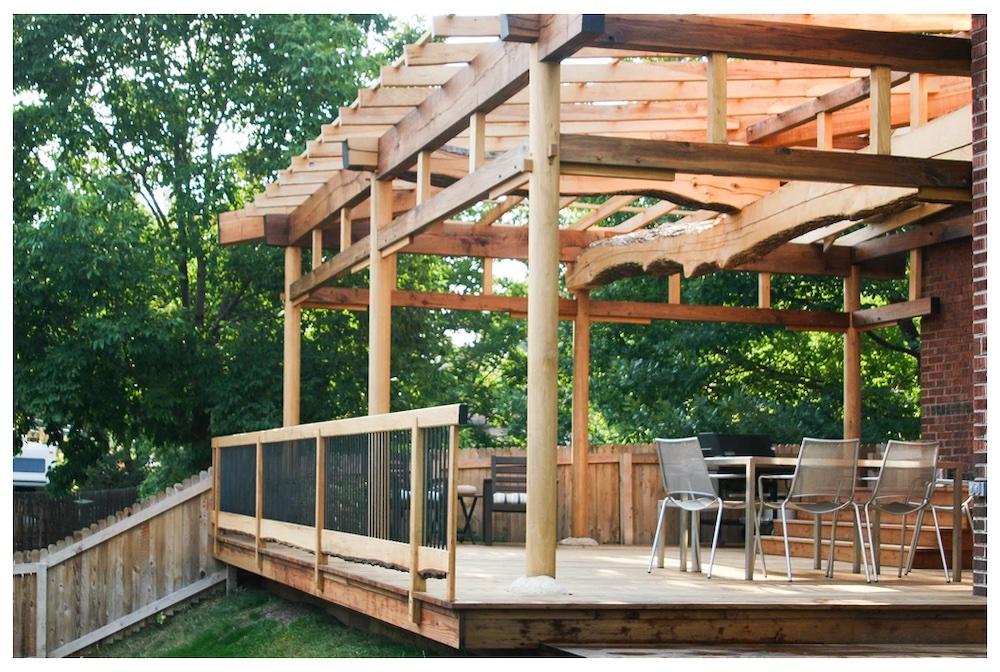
<point x="510" y="498"/>
<point x="522" y="497"/>
<point x="466" y="490"/>
<point x="499" y="497"/>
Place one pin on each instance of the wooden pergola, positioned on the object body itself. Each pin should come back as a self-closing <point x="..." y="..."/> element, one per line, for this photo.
<point x="767" y="143"/>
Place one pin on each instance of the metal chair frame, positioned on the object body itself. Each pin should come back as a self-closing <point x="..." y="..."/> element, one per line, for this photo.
<point x="841" y="499"/>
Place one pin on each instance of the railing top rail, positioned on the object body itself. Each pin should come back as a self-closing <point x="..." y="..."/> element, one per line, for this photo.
<point x="435" y="416"/>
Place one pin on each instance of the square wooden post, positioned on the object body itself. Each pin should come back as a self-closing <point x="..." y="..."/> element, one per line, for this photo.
<point x="292" y="359"/>
<point x="543" y="315"/>
<point x="581" y="415"/>
<point x="382" y="279"/>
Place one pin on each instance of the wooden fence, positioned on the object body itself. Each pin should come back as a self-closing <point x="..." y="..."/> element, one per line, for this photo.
<point x="624" y="488"/>
<point x="116" y="574"/>
<point x="40" y="520"/>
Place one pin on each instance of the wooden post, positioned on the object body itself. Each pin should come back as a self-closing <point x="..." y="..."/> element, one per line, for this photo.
<point x="293" y="340"/>
<point x="543" y="315"/>
<point x="626" y="515"/>
<point x="259" y="499"/>
<point x="916" y="273"/>
<point x="763" y="290"/>
<point x="918" y="100"/>
<point x="852" y="357"/>
<point x="477" y="157"/>
<point x="216" y="497"/>
<point x="345" y="228"/>
<point x="880" y="133"/>
<point x="581" y="415"/>
<point x="717" y="95"/>
<point x="317" y="248"/>
<point x="452" y="510"/>
<point x="417" y="583"/>
<point x="674" y="288"/>
<point x="320" y="515"/>
<point x="381" y="280"/>
<point x="423" y="177"/>
<point x="824" y="130"/>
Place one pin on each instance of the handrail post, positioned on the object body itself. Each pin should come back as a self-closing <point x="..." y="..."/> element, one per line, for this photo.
<point x="216" y="496"/>
<point x="320" y="515"/>
<point x="259" y="510"/>
<point x="417" y="583"/>
<point x="453" y="446"/>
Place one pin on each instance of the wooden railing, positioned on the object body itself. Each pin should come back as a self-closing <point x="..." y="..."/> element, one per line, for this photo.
<point x="379" y="489"/>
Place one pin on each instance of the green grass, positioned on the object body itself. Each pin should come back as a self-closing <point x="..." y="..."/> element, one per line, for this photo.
<point x="251" y="623"/>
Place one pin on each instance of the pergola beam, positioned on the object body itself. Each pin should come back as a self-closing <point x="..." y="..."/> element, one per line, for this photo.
<point x="779" y="163"/>
<point x="837" y="99"/>
<point x="742" y="38"/>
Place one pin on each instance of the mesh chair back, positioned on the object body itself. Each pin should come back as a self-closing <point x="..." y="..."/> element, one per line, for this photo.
<point x="909" y="472"/>
<point x="683" y="468"/>
<point x="826" y="470"/>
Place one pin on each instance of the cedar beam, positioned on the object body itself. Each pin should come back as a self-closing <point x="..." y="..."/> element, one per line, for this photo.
<point x="457" y="197"/>
<point x="832" y="101"/>
<point x="345" y="189"/>
<point x="742" y="38"/>
<point x="884" y="316"/>
<point x="356" y="299"/>
<point x="921" y="236"/>
<point x="777" y="163"/>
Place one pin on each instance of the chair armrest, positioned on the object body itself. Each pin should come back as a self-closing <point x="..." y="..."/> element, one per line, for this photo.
<point x="725" y="476"/>
<point x="776" y="477"/>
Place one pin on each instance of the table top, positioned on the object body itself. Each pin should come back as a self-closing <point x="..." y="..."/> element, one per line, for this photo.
<point x="744" y="460"/>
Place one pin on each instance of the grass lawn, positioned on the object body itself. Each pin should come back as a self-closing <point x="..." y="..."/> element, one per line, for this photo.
<point x="252" y="623"/>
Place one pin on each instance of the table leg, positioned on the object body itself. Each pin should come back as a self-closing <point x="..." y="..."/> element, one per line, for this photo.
<point x="877" y="540"/>
<point x="956" y="523"/>
<point x="748" y="513"/>
<point x="817" y="542"/>
<point x="683" y="540"/>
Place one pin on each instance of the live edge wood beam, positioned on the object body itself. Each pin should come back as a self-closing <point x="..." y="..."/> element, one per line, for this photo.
<point x="741" y="38"/>
<point x="353" y="298"/>
<point x="773" y="162"/>
<point x="832" y="101"/>
<point x="493" y="76"/>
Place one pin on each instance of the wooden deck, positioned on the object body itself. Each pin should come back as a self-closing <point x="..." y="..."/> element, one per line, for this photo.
<point x="611" y="600"/>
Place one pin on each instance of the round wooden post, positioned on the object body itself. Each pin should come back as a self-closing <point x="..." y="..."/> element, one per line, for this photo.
<point x="293" y="341"/>
<point x="543" y="316"/>
<point x="381" y="279"/>
<point x="581" y="414"/>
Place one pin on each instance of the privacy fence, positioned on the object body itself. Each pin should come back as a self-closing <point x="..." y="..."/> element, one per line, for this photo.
<point x="40" y="519"/>
<point x="117" y="573"/>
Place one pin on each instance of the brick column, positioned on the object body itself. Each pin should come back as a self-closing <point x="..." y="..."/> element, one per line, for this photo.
<point x="979" y="292"/>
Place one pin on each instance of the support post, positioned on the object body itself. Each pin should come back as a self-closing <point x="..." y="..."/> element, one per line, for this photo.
<point x="317" y="248"/>
<point x="852" y="357"/>
<point x="259" y="503"/>
<point x="918" y="100"/>
<point x="477" y="157"/>
<point x="452" y="510"/>
<point x="320" y="513"/>
<point x="674" y="288"/>
<point x="345" y="228"/>
<point x="763" y="290"/>
<point x="581" y="415"/>
<point x="916" y="276"/>
<point x="423" y="178"/>
<point x="293" y="341"/>
<point x="216" y="497"/>
<point x="824" y="130"/>
<point x="382" y="279"/>
<point x="543" y="315"/>
<point x="717" y="98"/>
<point x="880" y="133"/>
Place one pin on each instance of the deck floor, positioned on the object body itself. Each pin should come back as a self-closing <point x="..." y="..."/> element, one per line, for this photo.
<point x="616" y="575"/>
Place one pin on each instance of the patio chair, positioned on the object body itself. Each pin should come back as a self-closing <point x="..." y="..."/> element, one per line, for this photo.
<point x="823" y="482"/>
<point x="688" y="487"/>
<point x="905" y="486"/>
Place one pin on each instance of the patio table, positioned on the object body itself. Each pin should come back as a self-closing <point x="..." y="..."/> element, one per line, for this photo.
<point x="750" y="465"/>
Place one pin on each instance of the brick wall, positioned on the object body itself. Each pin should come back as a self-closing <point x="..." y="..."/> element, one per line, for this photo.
<point x="979" y="287"/>
<point x="946" y="361"/>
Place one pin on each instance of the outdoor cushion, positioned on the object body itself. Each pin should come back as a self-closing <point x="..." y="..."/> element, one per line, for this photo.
<point x="466" y="490"/>
<point x="510" y="497"/>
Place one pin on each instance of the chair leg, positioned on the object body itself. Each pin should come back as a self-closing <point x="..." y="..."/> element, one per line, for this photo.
<point x="715" y="539"/>
<point x="784" y="532"/>
<point x="902" y="545"/>
<point x="861" y="538"/>
<point x="944" y="561"/>
<point x="871" y="545"/>
<point x="758" y="542"/>
<point x="917" y="527"/>
<point x="833" y="541"/>
<point x="656" y="536"/>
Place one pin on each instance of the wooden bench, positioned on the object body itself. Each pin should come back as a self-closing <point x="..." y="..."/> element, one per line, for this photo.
<point x="505" y="491"/>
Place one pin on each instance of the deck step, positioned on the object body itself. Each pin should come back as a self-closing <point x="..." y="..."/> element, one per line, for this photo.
<point x="928" y="557"/>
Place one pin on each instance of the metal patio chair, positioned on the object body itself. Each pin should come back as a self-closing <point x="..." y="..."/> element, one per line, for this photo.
<point x="905" y="486"/>
<point x="689" y="487"/>
<point x="823" y="482"/>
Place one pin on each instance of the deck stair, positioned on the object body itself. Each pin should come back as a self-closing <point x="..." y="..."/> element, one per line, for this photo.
<point x="800" y="536"/>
